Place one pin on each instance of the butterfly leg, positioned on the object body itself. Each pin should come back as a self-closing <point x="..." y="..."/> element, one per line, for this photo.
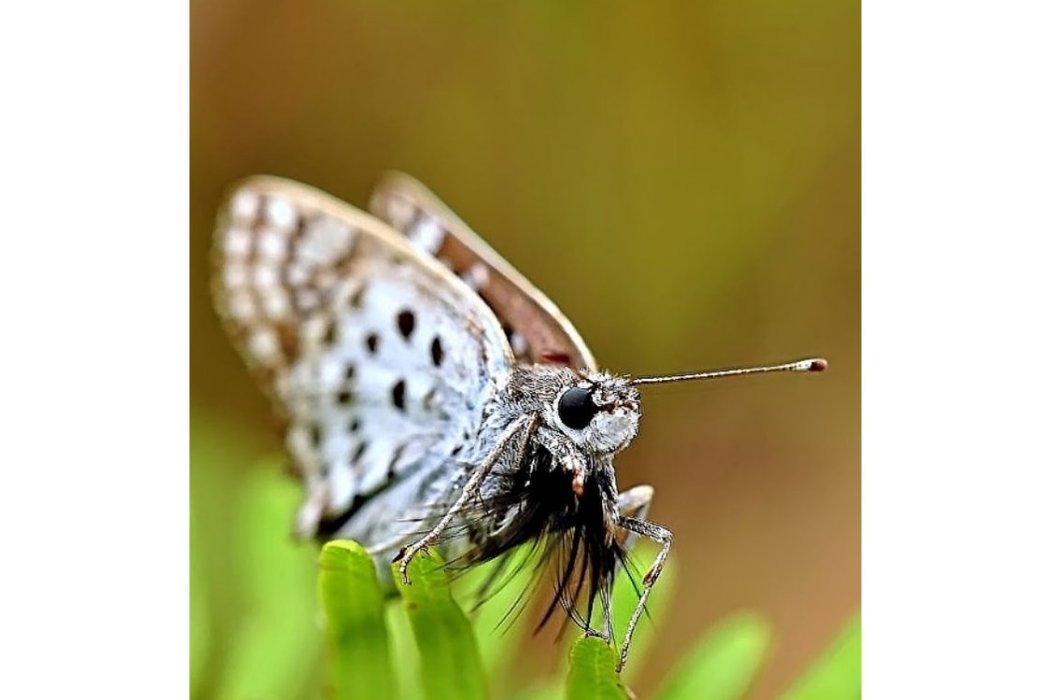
<point x="635" y="503"/>
<point x="470" y="490"/>
<point x="663" y="537"/>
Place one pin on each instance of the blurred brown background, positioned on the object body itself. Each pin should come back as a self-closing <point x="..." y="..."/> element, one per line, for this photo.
<point x="683" y="179"/>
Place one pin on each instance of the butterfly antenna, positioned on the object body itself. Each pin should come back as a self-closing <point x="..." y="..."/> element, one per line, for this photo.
<point x="813" y="364"/>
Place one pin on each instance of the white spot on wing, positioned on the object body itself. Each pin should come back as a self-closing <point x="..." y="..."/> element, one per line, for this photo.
<point x="399" y="212"/>
<point x="235" y="275"/>
<point x="325" y="241"/>
<point x="518" y="344"/>
<point x="329" y="372"/>
<point x="244" y="206"/>
<point x="280" y="213"/>
<point x="242" y="307"/>
<point x="476" y="276"/>
<point x="272" y="245"/>
<point x="275" y="303"/>
<point x="264" y="276"/>
<point x="263" y="344"/>
<point x="238" y="242"/>
<point x="427" y="234"/>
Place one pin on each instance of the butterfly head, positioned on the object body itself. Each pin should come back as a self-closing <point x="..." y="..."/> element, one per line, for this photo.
<point x="598" y="412"/>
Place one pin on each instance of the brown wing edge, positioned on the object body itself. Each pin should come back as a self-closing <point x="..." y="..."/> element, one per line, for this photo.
<point x="550" y="336"/>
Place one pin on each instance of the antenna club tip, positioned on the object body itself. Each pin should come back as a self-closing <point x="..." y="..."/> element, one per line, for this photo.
<point x="818" y="365"/>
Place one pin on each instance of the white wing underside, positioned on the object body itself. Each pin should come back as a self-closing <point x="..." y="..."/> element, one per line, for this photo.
<point x="379" y="358"/>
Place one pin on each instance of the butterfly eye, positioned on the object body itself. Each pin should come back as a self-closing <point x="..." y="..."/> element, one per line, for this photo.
<point x="576" y="408"/>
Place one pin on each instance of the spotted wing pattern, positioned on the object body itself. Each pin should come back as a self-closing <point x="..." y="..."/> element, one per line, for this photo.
<point x="537" y="331"/>
<point x="377" y="357"/>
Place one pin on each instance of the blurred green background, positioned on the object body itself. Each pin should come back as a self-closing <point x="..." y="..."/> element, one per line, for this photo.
<point x="683" y="179"/>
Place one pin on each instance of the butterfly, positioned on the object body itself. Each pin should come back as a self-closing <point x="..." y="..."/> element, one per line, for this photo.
<point x="430" y="395"/>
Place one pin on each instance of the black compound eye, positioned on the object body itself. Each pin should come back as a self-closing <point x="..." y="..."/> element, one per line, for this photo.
<point x="576" y="408"/>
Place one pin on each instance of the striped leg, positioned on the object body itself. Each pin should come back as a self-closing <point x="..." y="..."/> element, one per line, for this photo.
<point x="661" y="535"/>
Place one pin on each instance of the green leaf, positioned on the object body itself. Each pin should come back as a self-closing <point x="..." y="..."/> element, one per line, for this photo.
<point x="214" y="584"/>
<point x="200" y="612"/>
<point x="592" y="672"/>
<point x="498" y="639"/>
<point x="723" y="664"/>
<point x="547" y="689"/>
<point x="837" y="673"/>
<point x="359" y="650"/>
<point x="275" y="648"/>
<point x="450" y="664"/>
<point x="404" y="653"/>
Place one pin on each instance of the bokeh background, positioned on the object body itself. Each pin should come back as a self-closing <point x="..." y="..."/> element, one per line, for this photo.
<point x="683" y="179"/>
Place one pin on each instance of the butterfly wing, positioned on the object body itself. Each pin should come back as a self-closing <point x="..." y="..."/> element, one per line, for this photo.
<point x="537" y="331"/>
<point x="376" y="356"/>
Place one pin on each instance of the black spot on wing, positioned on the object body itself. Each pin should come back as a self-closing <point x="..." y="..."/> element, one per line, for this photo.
<point x="397" y="395"/>
<point x="394" y="459"/>
<point x="372" y="343"/>
<point x="357" y="298"/>
<point x="406" y="323"/>
<point x="329" y="333"/>
<point x="359" y="452"/>
<point x="346" y="395"/>
<point x="437" y="353"/>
